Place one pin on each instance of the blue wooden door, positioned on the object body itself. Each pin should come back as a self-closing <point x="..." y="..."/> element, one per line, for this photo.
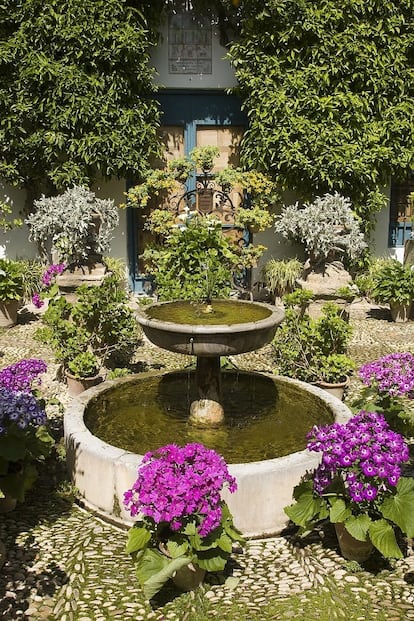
<point x="189" y="119"/>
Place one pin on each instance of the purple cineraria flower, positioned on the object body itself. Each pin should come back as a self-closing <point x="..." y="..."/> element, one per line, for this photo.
<point x="365" y="455"/>
<point x="392" y="374"/>
<point x="19" y="408"/>
<point x="176" y="484"/>
<point x="21" y="376"/>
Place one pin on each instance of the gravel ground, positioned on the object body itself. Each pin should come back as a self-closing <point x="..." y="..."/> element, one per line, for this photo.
<point x="65" y="564"/>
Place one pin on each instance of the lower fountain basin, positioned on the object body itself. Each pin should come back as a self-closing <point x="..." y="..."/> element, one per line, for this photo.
<point x="102" y="472"/>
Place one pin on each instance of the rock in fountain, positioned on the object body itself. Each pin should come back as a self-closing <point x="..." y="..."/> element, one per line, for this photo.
<point x="103" y="472"/>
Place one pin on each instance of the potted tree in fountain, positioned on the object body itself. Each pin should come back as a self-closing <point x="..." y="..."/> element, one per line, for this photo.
<point x="231" y="200"/>
<point x="330" y="235"/>
<point x="393" y="284"/>
<point x="358" y="487"/>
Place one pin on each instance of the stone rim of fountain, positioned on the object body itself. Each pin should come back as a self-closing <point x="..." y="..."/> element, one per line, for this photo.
<point x="264" y="487"/>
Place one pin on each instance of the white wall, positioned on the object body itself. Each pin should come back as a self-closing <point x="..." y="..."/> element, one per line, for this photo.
<point x="115" y="189"/>
<point x="222" y="75"/>
<point x="16" y="241"/>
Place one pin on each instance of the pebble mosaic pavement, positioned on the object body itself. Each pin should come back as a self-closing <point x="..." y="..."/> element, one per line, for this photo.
<point x="64" y="564"/>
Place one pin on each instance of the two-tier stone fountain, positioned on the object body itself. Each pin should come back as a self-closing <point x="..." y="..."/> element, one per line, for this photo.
<point x="209" y="332"/>
<point x="257" y="421"/>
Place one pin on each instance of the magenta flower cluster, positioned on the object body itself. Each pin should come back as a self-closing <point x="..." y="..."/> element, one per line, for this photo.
<point x="53" y="270"/>
<point x="21" y="376"/>
<point x="18" y="404"/>
<point x="392" y="374"/>
<point x="176" y="484"/>
<point x="364" y="455"/>
<point x="48" y="277"/>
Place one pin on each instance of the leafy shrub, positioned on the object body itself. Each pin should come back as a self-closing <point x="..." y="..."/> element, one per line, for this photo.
<point x="313" y="350"/>
<point x="100" y="322"/>
<point x="195" y="262"/>
<point x="327" y="228"/>
<point x="392" y="282"/>
<point x="67" y="223"/>
<point x="11" y="280"/>
<point x="279" y="276"/>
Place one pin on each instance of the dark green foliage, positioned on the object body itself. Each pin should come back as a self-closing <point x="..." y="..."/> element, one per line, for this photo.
<point x="74" y="92"/>
<point x="393" y="283"/>
<point x="11" y="280"/>
<point x="313" y="350"/>
<point x="100" y="322"/>
<point x="329" y="91"/>
<point x="195" y="263"/>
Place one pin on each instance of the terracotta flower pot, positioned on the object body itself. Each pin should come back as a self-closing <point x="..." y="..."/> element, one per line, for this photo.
<point x="77" y="385"/>
<point x="336" y="390"/>
<point x="7" y="504"/>
<point x="8" y="313"/>
<point x="189" y="577"/>
<point x="400" y="313"/>
<point x="352" y="549"/>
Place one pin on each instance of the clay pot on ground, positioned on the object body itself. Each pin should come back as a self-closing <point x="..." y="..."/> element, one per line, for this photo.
<point x="352" y="549"/>
<point x="8" y="313"/>
<point x="78" y="385"/>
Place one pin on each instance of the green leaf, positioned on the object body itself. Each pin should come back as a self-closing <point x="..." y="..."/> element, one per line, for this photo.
<point x="137" y="539"/>
<point x="383" y="538"/>
<point x="399" y="508"/>
<point x="154" y="570"/>
<point x="12" y="448"/>
<point x="225" y="543"/>
<point x="212" y="560"/>
<point x="358" y="526"/>
<point x="339" y="512"/>
<point x="176" y="548"/>
<point x="306" y="509"/>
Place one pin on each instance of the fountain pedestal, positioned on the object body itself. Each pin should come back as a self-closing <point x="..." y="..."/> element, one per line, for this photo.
<point x="207" y="410"/>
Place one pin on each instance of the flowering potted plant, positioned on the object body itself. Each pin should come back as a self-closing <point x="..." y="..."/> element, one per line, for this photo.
<point x="182" y="521"/>
<point x="24" y="439"/>
<point x="389" y="389"/>
<point x="358" y="486"/>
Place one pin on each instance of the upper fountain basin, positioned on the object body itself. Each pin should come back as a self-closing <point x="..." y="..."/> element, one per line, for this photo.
<point x="235" y="327"/>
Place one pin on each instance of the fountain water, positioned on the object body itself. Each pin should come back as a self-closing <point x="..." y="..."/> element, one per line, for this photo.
<point x="102" y="472"/>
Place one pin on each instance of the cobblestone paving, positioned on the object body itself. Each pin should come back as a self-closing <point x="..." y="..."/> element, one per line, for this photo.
<point x="64" y="564"/>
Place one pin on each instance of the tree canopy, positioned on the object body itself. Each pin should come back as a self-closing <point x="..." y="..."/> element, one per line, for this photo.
<point x="328" y="87"/>
<point x="75" y="91"/>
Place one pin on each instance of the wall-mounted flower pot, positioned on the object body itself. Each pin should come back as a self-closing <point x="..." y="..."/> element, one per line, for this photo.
<point x="78" y="385"/>
<point x="8" y="313"/>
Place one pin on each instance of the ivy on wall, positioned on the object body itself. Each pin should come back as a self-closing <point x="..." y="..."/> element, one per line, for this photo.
<point x="75" y="91"/>
<point x="328" y="86"/>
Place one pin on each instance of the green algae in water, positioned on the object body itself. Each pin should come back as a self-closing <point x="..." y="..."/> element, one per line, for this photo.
<point x="225" y="313"/>
<point x="265" y="418"/>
